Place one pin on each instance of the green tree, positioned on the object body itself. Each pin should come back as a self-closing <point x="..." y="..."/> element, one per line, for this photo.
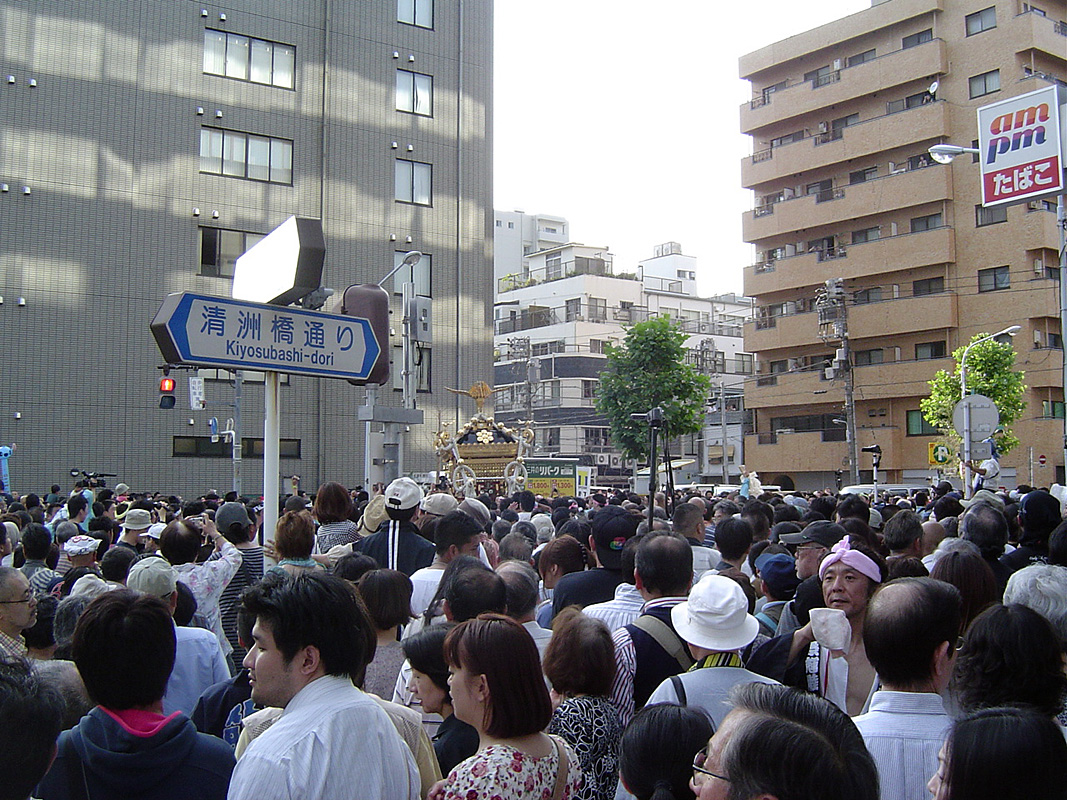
<point x="649" y="369"/>
<point x="989" y="372"/>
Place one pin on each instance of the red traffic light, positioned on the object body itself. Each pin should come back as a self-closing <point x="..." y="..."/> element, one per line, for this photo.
<point x="166" y="385"/>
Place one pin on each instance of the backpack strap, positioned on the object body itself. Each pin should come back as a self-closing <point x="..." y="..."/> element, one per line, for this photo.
<point x="770" y="623"/>
<point x="679" y="689"/>
<point x="666" y="638"/>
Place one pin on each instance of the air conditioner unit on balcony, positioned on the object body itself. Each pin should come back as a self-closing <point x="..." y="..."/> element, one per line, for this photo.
<point x="780" y="431"/>
<point x="616" y="461"/>
<point x="837" y="63"/>
<point x="705" y="327"/>
<point x="1039" y="266"/>
<point x="603" y="459"/>
<point x="1034" y="205"/>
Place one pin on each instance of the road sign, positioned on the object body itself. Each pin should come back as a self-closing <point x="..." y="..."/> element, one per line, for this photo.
<point x="938" y="454"/>
<point x="984" y="416"/>
<point x="196" y="394"/>
<point x="222" y="332"/>
<point x="1041" y="460"/>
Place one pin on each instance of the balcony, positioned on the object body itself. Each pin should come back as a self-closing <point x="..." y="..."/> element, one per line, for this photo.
<point x="835" y="34"/>
<point x="1033" y="31"/>
<point x="876" y="322"/>
<point x="527" y="319"/>
<point x="848" y="203"/>
<point x="914" y="125"/>
<point x="877" y="75"/>
<point x="804" y="451"/>
<point x="556" y="271"/>
<point x="901" y="252"/>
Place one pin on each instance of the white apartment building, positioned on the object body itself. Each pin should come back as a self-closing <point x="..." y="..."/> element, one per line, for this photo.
<point x="556" y="316"/>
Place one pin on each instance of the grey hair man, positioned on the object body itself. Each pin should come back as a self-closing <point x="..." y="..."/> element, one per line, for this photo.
<point x="522" y="585"/>
<point x="1042" y="587"/>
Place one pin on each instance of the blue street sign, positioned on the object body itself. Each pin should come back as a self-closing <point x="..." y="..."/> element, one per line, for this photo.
<point x="222" y="332"/>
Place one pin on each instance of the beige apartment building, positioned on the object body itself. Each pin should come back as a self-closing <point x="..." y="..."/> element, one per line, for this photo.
<point x="841" y="118"/>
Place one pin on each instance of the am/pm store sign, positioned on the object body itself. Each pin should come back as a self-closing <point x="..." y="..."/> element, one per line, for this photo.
<point x="1022" y="144"/>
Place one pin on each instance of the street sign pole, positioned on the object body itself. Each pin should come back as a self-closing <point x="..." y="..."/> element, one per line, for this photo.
<point x="271" y="461"/>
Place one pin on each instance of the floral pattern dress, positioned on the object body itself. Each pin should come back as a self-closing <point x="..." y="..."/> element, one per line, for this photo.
<point x="502" y="773"/>
<point x="590" y="725"/>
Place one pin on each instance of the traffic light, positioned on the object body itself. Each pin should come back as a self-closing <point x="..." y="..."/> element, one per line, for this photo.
<point x="166" y="392"/>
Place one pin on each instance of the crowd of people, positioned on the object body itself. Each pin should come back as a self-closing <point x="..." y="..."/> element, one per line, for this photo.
<point x="396" y="644"/>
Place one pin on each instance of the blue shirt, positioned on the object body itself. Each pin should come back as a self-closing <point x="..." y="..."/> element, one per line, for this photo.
<point x="198" y="664"/>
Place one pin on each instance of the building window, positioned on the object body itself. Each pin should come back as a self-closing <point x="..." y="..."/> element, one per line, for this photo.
<point x="242" y="155"/>
<point x="744" y="363"/>
<point x="861" y="58"/>
<point x="220" y="248"/>
<point x="994" y="279"/>
<point x="980" y="21"/>
<point x="918" y="426"/>
<point x="864" y="358"/>
<point x="866" y="235"/>
<point x="248" y="59"/>
<point x="872" y="295"/>
<point x="415" y="12"/>
<point x="413" y="182"/>
<point x="572" y="309"/>
<point x="986" y="83"/>
<point x="777" y="367"/>
<point x="498" y="223"/>
<point x="911" y="101"/>
<point x="928" y="286"/>
<point x="598" y="309"/>
<point x="789" y="138"/>
<point x="928" y="350"/>
<point x="922" y="37"/>
<point x="420" y="275"/>
<point x="589" y="389"/>
<point x="597" y="437"/>
<point x="863" y="175"/>
<point x="1052" y="409"/>
<point x="203" y="447"/>
<point x="989" y="216"/>
<point x="598" y="346"/>
<point x="551" y="439"/>
<point x="927" y="223"/>
<point x="414" y="93"/>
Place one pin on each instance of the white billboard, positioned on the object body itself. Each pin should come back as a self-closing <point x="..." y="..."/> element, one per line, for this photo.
<point x="1021" y="147"/>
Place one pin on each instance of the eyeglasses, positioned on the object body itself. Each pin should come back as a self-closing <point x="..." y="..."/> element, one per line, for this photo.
<point x="27" y="599"/>
<point x="699" y="772"/>
<point x="960" y="642"/>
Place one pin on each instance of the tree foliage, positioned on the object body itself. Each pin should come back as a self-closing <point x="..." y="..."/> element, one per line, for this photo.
<point x="989" y="372"/>
<point x="649" y="369"/>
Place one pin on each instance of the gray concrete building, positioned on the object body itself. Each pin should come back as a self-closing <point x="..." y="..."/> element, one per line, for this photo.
<point x="145" y="144"/>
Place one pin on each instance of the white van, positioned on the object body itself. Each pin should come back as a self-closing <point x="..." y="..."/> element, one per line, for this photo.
<point x="891" y="489"/>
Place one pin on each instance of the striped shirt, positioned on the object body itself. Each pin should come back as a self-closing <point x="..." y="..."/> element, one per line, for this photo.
<point x="334" y="533"/>
<point x="250" y="571"/>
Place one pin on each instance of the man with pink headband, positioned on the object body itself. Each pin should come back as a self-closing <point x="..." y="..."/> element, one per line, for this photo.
<point x="827" y="656"/>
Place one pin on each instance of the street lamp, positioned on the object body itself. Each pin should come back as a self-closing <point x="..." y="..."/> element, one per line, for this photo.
<point x="945" y="153"/>
<point x="1009" y="331"/>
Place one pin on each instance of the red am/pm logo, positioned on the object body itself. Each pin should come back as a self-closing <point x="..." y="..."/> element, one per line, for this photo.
<point x="1022" y="130"/>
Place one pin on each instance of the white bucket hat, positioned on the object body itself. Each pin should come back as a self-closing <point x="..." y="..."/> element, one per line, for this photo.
<point x="716" y="615"/>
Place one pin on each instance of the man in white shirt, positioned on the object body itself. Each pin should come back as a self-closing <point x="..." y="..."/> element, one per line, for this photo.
<point x="688" y="520"/>
<point x="311" y="639"/>
<point x="456" y="534"/>
<point x="910" y="634"/>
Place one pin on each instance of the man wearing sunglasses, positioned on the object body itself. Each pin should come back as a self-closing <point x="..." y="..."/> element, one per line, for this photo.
<point x="18" y="611"/>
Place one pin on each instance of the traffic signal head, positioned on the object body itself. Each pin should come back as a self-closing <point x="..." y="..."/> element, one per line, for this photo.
<point x="166" y="392"/>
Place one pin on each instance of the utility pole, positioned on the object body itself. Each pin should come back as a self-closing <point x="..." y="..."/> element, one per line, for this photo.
<point x="833" y="327"/>
<point x="722" y="419"/>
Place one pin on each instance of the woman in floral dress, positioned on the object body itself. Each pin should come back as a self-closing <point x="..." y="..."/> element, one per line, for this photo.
<point x="497" y="688"/>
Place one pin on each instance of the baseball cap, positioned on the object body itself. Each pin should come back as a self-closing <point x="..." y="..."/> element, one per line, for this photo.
<point x="612" y="527"/>
<point x="81" y="545"/>
<point x="154" y="531"/>
<point x="230" y="513"/>
<point x="154" y="576"/>
<point x="716" y="615"/>
<point x="137" y="519"/>
<point x="402" y="494"/>
<point x="438" y="504"/>
<point x="296" y="503"/>
<point x="820" y="531"/>
<point x="778" y="572"/>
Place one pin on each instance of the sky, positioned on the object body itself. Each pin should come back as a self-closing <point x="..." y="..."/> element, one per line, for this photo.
<point x="626" y="123"/>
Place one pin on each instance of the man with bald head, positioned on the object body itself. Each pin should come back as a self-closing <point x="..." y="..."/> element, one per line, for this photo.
<point x="910" y="635"/>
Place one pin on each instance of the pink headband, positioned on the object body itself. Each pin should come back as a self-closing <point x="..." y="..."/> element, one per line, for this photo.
<point x="843" y="552"/>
